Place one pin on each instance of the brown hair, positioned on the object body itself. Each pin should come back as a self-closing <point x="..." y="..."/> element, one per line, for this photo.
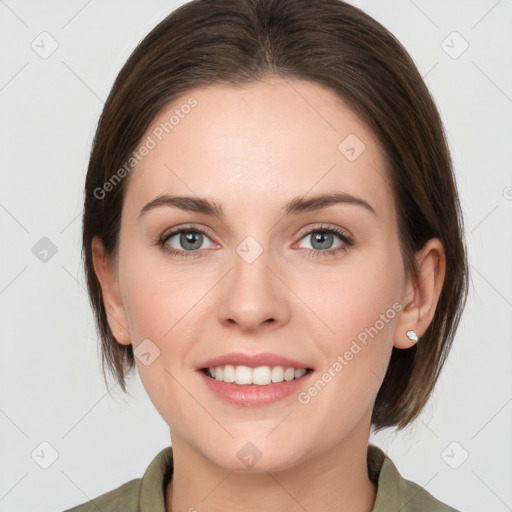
<point x="335" y="45"/>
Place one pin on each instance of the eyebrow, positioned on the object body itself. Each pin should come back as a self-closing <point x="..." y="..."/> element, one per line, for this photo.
<point x="293" y="207"/>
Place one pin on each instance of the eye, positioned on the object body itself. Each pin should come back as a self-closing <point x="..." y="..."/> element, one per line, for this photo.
<point x="191" y="240"/>
<point x="326" y="240"/>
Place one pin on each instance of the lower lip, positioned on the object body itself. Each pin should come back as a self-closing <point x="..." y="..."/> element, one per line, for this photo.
<point x="254" y="395"/>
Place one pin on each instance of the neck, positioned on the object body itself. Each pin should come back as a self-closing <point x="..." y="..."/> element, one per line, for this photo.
<point x="336" y="480"/>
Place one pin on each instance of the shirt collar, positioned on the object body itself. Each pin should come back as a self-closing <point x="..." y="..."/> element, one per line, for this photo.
<point x="392" y="489"/>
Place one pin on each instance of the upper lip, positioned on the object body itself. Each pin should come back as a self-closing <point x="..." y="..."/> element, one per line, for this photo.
<point x="252" y="360"/>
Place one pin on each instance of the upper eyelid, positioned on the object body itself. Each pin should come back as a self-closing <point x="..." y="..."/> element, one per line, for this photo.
<point x="335" y="229"/>
<point x="186" y="228"/>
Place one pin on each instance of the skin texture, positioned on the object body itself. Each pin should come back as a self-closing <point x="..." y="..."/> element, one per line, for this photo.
<point x="251" y="149"/>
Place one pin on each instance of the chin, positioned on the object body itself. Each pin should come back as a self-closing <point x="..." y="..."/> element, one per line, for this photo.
<point x="258" y="456"/>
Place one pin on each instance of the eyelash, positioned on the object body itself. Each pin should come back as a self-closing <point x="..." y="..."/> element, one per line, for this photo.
<point x="348" y="241"/>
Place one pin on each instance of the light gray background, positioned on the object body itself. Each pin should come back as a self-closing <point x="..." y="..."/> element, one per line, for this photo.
<point x="51" y="389"/>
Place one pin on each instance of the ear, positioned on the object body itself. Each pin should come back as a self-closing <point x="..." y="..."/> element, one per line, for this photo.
<point x="116" y="315"/>
<point x="421" y="294"/>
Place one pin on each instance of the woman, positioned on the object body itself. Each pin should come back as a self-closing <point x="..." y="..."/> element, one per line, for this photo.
<point x="272" y="236"/>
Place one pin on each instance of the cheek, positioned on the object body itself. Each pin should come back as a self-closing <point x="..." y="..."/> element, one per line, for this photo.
<point x="358" y="304"/>
<point x="162" y="306"/>
<point x="149" y="305"/>
<point x="353" y="296"/>
<point x="360" y="310"/>
<point x="158" y="296"/>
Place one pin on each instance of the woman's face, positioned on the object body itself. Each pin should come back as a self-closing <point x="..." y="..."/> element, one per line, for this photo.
<point x="276" y="271"/>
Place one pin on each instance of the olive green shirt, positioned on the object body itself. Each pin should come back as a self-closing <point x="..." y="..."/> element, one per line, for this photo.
<point x="147" y="494"/>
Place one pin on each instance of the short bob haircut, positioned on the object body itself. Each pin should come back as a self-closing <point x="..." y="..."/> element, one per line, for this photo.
<point x="337" y="46"/>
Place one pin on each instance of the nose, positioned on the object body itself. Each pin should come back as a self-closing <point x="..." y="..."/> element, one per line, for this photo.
<point x="252" y="297"/>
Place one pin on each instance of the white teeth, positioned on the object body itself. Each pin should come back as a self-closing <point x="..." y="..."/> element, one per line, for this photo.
<point x="243" y="375"/>
<point x="260" y="376"/>
<point x="277" y="374"/>
<point x="229" y="373"/>
<point x="289" y="374"/>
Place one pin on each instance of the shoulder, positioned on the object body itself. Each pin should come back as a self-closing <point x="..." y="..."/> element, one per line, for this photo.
<point x="417" y="499"/>
<point x="394" y="492"/>
<point x="124" y="497"/>
<point x="146" y="493"/>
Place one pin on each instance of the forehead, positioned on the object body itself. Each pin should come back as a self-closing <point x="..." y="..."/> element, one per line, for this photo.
<point x="259" y="145"/>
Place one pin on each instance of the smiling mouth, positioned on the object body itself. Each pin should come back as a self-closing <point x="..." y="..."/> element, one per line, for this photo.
<point x="259" y="376"/>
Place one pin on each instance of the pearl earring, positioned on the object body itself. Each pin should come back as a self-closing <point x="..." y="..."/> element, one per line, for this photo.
<point x="412" y="335"/>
